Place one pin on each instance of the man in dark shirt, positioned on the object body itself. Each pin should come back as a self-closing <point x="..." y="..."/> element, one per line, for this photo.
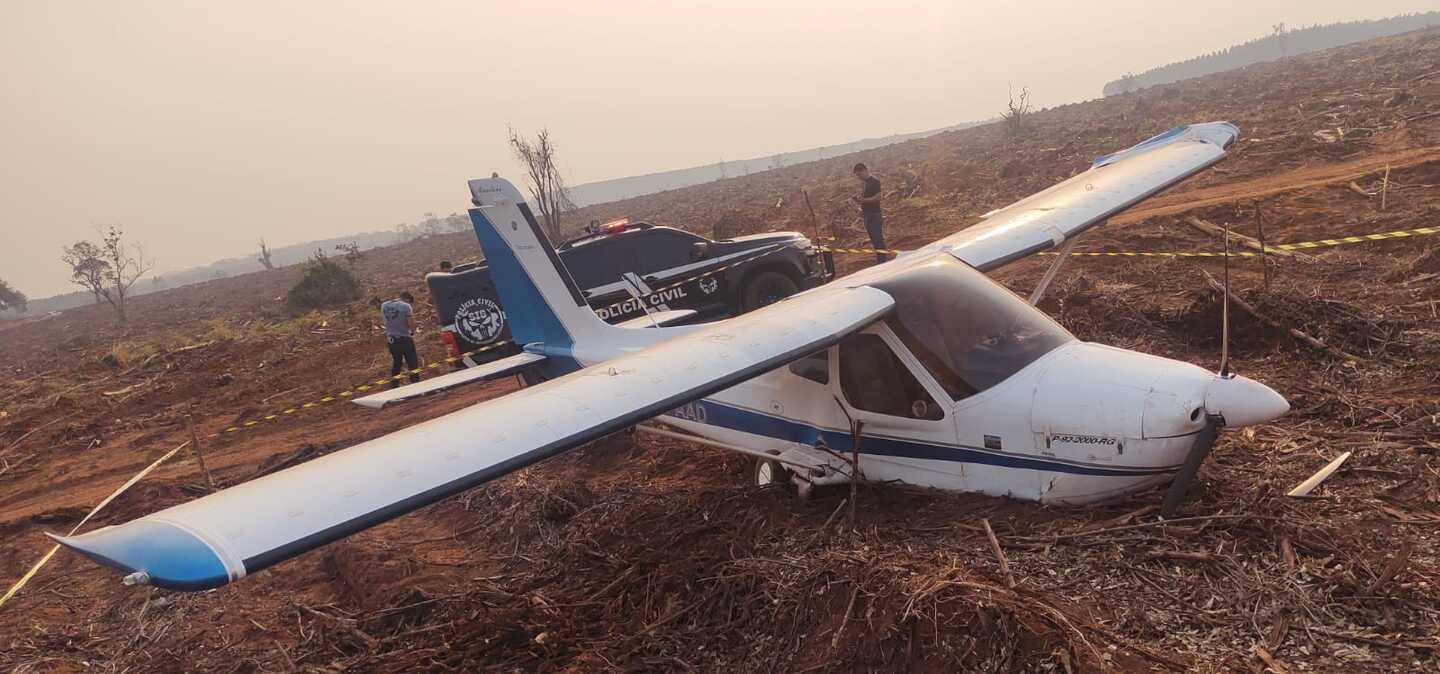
<point x="869" y="201"/>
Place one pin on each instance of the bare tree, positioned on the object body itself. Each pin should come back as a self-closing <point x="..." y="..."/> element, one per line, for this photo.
<point x="1017" y="110"/>
<point x="87" y="268"/>
<point x="351" y="251"/>
<point x="11" y="299"/>
<point x="1277" y="31"/>
<point x="125" y="266"/>
<point x="547" y="187"/>
<point x="264" y="258"/>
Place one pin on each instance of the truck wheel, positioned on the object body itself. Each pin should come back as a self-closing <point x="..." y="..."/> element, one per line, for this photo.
<point x="766" y="287"/>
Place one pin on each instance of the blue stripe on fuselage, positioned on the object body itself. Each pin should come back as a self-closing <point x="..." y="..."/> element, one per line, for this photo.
<point x="712" y="413"/>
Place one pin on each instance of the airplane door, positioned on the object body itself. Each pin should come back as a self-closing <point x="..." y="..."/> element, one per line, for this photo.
<point x="906" y="425"/>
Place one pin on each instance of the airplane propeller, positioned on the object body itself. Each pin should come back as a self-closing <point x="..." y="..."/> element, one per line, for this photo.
<point x="1214" y="422"/>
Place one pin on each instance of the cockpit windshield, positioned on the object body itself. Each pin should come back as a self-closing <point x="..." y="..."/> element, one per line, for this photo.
<point x="969" y="332"/>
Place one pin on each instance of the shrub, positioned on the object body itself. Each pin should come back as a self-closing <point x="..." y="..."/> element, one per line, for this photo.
<point x="325" y="283"/>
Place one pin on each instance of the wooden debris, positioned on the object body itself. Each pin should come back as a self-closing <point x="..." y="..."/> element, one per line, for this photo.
<point x="1270" y="660"/>
<point x="1384" y="187"/>
<point x="123" y="391"/>
<point x="199" y="455"/>
<point x="1180" y="555"/>
<point x="1356" y="188"/>
<point x="31" y="432"/>
<point x="1246" y="241"/>
<point x="1309" y="485"/>
<point x="1296" y="333"/>
<point x="999" y="553"/>
<point x="1393" y="567"/>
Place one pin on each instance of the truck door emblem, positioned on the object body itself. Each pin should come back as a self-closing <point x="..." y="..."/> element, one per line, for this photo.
<point x="709" y="285"/>
<point x="479" y="320"/>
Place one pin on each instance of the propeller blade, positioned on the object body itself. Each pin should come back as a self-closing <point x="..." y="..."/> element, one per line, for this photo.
<point x="1204" y="442"/>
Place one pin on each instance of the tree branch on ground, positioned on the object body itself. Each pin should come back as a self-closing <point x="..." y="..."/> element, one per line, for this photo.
<point x="547" y="187"/>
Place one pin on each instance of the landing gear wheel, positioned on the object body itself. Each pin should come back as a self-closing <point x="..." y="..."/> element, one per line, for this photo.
<point x="769" y="472"/>
<point x="767" y="287"/>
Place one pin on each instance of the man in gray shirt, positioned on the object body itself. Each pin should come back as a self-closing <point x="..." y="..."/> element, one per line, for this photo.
<point x="399" y="319"/>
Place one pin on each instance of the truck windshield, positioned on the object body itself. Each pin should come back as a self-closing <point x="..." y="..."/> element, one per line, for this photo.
<point x="969" y="332"/>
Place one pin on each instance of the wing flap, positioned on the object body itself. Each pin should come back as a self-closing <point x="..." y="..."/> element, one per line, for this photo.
<point x="259" y="523"/>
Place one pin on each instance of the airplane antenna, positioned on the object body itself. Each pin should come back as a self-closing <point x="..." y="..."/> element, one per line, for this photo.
<point x="1225" y="313"/>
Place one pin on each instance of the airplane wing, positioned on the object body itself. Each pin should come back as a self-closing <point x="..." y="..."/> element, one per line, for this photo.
<point x="219" y="538"/>
<point x="1113" y="183"/>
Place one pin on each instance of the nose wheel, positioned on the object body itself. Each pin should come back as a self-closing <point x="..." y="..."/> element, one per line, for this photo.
<point x="769" y="472"/>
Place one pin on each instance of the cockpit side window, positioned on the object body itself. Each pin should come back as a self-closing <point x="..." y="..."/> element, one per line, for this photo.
<point x="967" y="331"/>
<point x="874" y="379"/>
<point x="815" y="367"/>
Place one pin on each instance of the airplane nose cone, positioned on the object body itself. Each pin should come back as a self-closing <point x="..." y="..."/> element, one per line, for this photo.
<point x="1243" y="402"/>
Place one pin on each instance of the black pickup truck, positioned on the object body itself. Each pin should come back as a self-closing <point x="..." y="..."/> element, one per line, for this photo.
<point x="671" y="263"/>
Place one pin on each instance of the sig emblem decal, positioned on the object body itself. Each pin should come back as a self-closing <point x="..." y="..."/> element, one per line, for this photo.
<point x="992" y="442"/>
<point x="709" y="285"/>
<point x="479" y="320"/>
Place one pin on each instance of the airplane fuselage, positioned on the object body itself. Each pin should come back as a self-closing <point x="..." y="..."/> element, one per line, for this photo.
<point x="1063" y="422"/>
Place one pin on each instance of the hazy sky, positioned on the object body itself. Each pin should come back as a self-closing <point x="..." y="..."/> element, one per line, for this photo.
<point x="203" y="126"/>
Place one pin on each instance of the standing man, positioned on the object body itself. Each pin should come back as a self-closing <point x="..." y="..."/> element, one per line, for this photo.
<point x="869" y="201"/>
<point x="399" y="319"/>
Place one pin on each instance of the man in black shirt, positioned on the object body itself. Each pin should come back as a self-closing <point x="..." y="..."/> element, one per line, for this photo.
<point x="869" y="201"/>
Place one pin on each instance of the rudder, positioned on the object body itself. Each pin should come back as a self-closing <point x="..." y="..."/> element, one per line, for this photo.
<point x="541" y="300"/>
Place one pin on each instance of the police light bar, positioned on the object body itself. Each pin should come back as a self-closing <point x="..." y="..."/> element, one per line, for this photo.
<point x="615" y="226"/>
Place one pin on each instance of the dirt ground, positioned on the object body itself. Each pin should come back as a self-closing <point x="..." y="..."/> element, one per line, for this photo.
<point x="641" y="554"/>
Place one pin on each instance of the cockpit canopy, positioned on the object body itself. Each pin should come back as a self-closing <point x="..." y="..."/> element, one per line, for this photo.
<point x="969" y="332"/>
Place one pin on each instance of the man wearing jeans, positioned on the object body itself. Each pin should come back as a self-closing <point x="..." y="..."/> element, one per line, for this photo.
<point x="399" y="319"/>
<point x="869" y="201"/>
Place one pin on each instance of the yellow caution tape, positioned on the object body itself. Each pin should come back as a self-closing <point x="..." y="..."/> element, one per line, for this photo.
<point x="867" y="251"/>
<point x="332" y="397"/>
<point x="1301" y="245"/>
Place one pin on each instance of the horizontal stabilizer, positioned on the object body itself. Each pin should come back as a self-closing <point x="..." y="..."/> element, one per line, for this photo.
<point x="494" y="369"/>
<point x="658" y="319"/>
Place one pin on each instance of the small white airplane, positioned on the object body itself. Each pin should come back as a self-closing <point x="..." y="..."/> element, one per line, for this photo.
<point x="948" y="380"/>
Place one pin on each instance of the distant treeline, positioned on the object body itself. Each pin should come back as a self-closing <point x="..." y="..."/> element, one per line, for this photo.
<point x="280" y="257"/>
<point x="1279" y="44"/>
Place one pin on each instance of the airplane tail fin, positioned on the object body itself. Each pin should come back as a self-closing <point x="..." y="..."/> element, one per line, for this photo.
<point x="542" y="301"/>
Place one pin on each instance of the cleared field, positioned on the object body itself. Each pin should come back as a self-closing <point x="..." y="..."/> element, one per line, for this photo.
<point x="647" y="554"/>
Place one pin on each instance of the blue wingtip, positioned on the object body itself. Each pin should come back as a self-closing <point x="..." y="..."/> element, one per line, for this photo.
<point x="1217" y="133"/>
<point x="171" y="557"/>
